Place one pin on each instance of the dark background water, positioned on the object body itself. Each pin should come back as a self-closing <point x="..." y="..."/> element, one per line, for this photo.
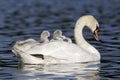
<point x="23" y="19"/>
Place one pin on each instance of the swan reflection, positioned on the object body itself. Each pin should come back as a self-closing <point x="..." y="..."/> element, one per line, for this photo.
<point x="77" y="71"/>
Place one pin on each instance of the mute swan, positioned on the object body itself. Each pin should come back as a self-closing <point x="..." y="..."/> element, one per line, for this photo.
<point x="58" y="36"/>
<point x="61" y="51"/>
<point x="44" y="37"/>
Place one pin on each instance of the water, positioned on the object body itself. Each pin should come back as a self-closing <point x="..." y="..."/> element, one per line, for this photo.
<point x="22" y="19"/>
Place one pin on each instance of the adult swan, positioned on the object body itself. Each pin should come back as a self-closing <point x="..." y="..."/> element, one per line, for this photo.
<point x="32" y="52"/>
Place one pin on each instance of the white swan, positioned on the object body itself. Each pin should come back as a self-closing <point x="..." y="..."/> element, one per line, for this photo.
<point x="60" y="51"/>
<point x="44" y="37"/>
<point x="58" y="36"/>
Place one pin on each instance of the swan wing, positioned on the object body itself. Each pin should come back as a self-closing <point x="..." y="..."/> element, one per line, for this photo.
<point x="60" y="50"/>
<point x="53" y="47"/>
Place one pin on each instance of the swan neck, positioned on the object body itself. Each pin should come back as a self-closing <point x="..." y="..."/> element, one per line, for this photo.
<point x="80" y="41"/>
<point x="79" y="35"/>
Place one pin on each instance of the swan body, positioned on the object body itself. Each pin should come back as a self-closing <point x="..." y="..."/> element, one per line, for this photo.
<point x="58" y="51"/>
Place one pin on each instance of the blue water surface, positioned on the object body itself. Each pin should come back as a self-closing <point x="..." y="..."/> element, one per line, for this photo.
<point x="23" y="19"/>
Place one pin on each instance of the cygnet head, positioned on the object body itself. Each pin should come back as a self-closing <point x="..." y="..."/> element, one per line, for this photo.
<point x="45" y="34"/>
<point x="57" y="33"/>
<point x="91" y="23"/>
<point x="44" y="37"/>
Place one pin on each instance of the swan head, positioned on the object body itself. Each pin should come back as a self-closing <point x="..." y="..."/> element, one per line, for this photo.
<point x="91" y="23"/>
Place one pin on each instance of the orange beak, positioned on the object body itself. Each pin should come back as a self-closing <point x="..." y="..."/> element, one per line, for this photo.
<point x="96" y="34"/>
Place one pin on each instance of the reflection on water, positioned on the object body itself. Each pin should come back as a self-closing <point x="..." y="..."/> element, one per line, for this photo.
<point x="22" y="19"/>
<point x="78" y="71"/>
